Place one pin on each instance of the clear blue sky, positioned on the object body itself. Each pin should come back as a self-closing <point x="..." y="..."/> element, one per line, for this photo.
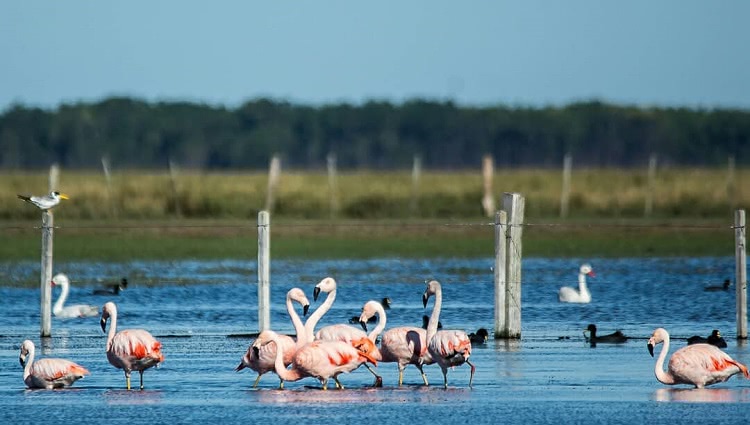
<point x="658" y="52"/>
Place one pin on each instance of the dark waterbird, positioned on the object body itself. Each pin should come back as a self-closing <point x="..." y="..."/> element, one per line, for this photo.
<point x="616" y="337"/>
<point x="480" y="337"/>
<point x="714" y="339"/>
<point x="385" y="302"/>
<point x="112" y="289"/>
<point x="426" y="320"/>
<point x="724" y="287"/>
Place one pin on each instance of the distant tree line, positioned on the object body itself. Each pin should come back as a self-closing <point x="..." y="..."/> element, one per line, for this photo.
<point x="376" y="135"/>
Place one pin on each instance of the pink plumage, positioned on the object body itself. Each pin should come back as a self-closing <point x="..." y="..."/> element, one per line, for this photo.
<point x="406" y="345"/>
<point x="699" y="364"/>
<point x="131" y="349"/>
<point x="48" y="373"/>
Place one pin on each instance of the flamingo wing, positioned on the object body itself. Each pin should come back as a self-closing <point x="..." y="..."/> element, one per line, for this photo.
<point x="703" y="364"/>
<point x="57" y="373"/>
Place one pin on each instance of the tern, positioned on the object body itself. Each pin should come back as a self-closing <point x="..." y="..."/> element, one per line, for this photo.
<point x="45" y="202"/>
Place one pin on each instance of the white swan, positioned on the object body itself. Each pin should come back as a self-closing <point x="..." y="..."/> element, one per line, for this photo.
<point x="582" y="295"/>
<point x="78" y="310"/>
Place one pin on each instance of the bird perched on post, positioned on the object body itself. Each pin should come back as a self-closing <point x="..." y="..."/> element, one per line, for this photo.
<point x="45" y="202"/>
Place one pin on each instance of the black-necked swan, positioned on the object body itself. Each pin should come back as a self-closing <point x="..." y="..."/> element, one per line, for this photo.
<point x="582" y="295"/>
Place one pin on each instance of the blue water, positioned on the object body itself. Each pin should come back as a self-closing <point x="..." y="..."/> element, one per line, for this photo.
<point x="192" y="307"/>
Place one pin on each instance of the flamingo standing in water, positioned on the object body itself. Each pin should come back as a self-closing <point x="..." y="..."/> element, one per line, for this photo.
<point x="131" y="349"/>
<point x="342" y="332"/>
<point x="567" y="294"/>
<point x="78" y="310"/>
<point x="404" y="345"/>
<point x="448" y="348"/>
<point x="697" y="364"/>
<point x="322" y="360"/>
<point x="48" y="373"/>
<point x="262" y="360"/>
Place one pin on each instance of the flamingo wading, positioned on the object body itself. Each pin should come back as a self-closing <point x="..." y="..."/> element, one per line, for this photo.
<point x="77" y="310"/>
<point x="130" y="349"/>
<point x="48" y="373"/>
<point x="448" y="348"/>
<point x="698" y="364"/>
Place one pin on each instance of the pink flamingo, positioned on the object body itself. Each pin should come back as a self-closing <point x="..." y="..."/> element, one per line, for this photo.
<point x="131" y="349"/>
<point x="319" y="359"/>
<point x="404" y="345"/>
<point x="262" y="361"/>
<point x="448" y="348"/>
<point x="48" y="373"/>
<point x="342" y="332"/>
<point x="697" y="364"/>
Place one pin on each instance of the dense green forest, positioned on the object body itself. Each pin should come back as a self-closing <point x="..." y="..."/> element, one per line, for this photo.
<point x="376" y="135"/>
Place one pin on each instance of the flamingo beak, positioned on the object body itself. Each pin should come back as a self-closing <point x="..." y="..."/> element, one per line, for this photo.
<point x="363" y="324"/>
<point x="424" y="299"/>
<point x="256" y="351"/>
<point x="22" y="360"/>
<point x="316" y="292"/>
<point x="651" y="349"/>
<point x="305" y="309"/>
<point x="103" y="324"/>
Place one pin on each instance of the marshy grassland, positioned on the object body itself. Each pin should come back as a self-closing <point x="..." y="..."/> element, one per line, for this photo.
<point x="377" y="213"/>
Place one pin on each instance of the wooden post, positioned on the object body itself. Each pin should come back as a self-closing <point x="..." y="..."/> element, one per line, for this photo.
<point x="264" y="260"/>
<point x="649" y="208"/>
<point x="731" y="193"/>
<point x="501" y="226"/>
<point x="740" y="260"/>
<point x="514" y="205"/>
<point x="108" y="180"/>
<point x="488" y="170"/>
<point x="565" y="195"/>
<point x="274" y="173"/>
<point x="54" y="177"/>
<point x="332" y="185"/>
<point x="173" y="184"/>
<point x="416" y="171"/>
<point x="45" y="306"/>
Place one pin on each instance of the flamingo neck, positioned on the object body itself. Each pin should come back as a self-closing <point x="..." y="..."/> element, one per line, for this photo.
<point x="432" y="325"/>
<point x="312" y="321"/>
<point x="28" y="362"/>
<point x="661" y="375"/>
<point x="61" y="300"/>
<point x="281" y="370"/>
<point x="299" y="327"/>
<point x="112" y="328"/>
<point x="373" y="336"/>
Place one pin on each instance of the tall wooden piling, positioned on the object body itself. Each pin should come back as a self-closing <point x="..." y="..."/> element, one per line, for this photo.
<point x="651" y="186"/>
<point x="731" y="187"/>
<point x="173" y="186"/>
<point x="514" y="205"/>
<point x="501" y="227"/>
<point x="333" y="195"/>
<point x="45" y="306"/>
<point x="264" y="261"/>
<point x="108" y="180"/>
<point x="416" y="173"/>
<point x="488" y="172"/>
<point x="54" y="177"/>
<point x="740" y="273"/>
<point x="565" y="195"/>
<point x="274" y="174"/>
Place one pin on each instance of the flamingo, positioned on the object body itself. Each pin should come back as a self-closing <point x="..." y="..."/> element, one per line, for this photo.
<point x="448" y="348"/>
<point x="66" y="312"/>
<point x="319" y="359"/>
<point x="714" y="339"/>
<point x="262" y="360"/>
<point x="48" y="373"/>
<point x="131" y="349"/>
<point x="404" y="345"/>
<point x="385" y="302"/>
<point x="582" y="296"/>
<point x="346" y="333"/>
<point x="698" y="364"/>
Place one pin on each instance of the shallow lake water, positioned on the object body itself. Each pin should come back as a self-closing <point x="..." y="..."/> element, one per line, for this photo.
<point x="198" y="309"/>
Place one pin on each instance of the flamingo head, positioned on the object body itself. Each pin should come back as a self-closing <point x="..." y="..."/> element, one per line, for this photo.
<point x="26" y="347"/>
<point x="433" y="287"/>
<point x="298" y="295"/>
<point x="326" y="285"/>
<point x="369" y="310"/>
<point x="363" y="323"/>
<point x="659" y="336"/>
<point x="587" y="270"/>
<point x="108" y="309"/>
<point x="60" y="279"/>
<point x="366" y="349"/>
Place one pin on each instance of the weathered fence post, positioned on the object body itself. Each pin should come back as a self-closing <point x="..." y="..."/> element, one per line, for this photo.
<point x="274" y="173"/>
<point x="740" y="260"/>
<point x="46" y="275"/>
<point x="649" y="207"/>
<point x="264" y="260"/>
<point x="501" y="226"/>
<point x="488" y="171"/>
<point x="332" y="186"/>
<point x="731" y="192"/>
<point x="513" y="204"/>
<point x="416" y="171"/>
<point x="54" y="177"/>
<point x="108" y="180"/>
<point x="565" y="195"/>
<point x="173" y="185"/>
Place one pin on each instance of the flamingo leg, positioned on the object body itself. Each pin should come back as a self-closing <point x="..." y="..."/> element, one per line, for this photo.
<point x="445" y="378"/>
<point x="400" y="376"/>
<point x="281" y="384"/>
<point x="471" y="378"/>
<point x="324" y="382"/>
<point x="338" y="384"/>
<point x="127" y="380"/>
<point x="424" y="377"/>
<point x="255" y="384"/>
<point x="378" y="378"/>
<point x="141" y="372"/>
